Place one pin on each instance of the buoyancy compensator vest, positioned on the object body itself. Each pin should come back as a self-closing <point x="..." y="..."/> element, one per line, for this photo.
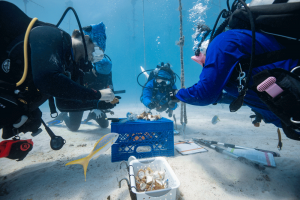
<point x="19" y="102"/>
<point x="277" y="88"/>
<point x="16" y="100"/>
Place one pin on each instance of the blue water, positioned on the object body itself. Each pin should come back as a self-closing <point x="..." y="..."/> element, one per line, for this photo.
<point x="125" y="44"/>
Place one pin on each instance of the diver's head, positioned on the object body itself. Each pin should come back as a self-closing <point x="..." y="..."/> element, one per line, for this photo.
<point x="98" y="37"/>
<point x="202" y="37"/>
<point x="78" y="46"/>
<point x="164" y="79"/>
<point x="162" y="82"/>
<point x="163" y="85"/>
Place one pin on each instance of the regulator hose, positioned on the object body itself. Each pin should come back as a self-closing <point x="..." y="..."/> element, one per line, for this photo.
<point x="26" y="52"/>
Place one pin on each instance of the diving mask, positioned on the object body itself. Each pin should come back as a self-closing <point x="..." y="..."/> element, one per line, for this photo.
<point x="98" y="54"/>
<point x="163" y="82"/>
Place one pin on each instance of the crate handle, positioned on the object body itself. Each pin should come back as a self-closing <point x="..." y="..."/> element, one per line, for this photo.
<point x="144" y="145"/>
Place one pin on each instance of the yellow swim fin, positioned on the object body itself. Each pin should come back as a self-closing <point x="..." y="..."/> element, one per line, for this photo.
<point x="82" y="161"/>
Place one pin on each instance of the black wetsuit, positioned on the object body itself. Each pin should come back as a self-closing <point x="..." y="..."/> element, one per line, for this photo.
<point x="52" y="71"/>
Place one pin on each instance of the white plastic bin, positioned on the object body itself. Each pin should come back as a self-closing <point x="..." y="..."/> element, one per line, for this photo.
<point x="158" y="163"/>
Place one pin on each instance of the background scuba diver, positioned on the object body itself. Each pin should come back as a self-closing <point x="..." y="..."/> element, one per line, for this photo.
<point x="219" y="72"/>
<point x="156" y="91"/>
<point x="99" y="77"/>
<point x="55" y="62"/>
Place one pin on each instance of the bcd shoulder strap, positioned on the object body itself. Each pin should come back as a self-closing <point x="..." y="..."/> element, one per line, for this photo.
<point x="272" y="57"/>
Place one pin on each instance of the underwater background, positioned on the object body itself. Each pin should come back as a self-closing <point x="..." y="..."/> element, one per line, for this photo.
<point x="124" y="30"/>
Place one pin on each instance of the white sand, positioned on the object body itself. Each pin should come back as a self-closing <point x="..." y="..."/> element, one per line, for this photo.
<point x="43" y="174"/>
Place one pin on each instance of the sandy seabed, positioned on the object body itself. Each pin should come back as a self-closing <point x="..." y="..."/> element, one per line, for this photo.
<point x="211" y="175"/>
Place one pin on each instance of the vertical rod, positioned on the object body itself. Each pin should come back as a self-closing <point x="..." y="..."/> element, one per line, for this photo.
<point x="183" y="118"/>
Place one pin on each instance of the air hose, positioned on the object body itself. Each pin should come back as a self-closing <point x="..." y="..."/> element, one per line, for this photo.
<point x="221" y="28"/>
<point x="213" y="30"/>
<point x="80" y="29"/>
<point x="25" y="52"/>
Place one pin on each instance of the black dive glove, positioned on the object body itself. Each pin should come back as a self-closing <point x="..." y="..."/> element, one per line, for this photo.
<point x="173" y="95"/>
<point x="102" y="105"/>
<point x="152" y="105"/>
<point x="258" y="117"/>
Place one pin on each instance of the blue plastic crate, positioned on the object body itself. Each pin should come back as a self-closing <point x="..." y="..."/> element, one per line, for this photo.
<point x="154" y="137"/>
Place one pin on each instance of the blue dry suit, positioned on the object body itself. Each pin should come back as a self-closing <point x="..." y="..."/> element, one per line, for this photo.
<point x="160" y="98"/>
<point x="222" y="55"/>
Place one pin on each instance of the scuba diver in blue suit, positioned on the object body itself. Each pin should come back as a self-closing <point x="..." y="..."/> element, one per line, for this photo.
<point x="157" y="89"/>
<point x="222" y="71"/>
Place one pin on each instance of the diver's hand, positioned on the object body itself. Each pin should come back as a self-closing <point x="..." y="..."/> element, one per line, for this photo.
<point x="102" y="105"/>
<point x="98" y="113"/>
<point x="173" y="95"/>
<point x="152" y="105"/>
<point x="107" y="95"/>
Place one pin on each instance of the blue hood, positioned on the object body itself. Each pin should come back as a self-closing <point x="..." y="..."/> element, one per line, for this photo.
<point x="164" y="75"/>
<point x="97" y="34"/>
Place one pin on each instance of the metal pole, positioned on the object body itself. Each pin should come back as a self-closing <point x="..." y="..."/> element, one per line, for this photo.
<point x="183" y="117"/>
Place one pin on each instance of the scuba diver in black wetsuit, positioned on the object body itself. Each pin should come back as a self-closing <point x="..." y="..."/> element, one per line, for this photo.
<point x="52" y="66"/>
<point x="99" y="77"/>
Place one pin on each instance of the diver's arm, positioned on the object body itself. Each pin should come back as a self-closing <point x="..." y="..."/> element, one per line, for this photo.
<point x="222" y="55"/>
<point x="47" y="66"/>
<point x="147" y="93"/>
<point x="65" y="105"/>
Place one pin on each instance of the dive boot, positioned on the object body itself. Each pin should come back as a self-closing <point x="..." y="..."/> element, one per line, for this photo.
<point x="59" y="119"/>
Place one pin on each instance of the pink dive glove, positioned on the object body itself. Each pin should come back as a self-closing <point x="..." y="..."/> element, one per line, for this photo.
<point x="199" y="59"/>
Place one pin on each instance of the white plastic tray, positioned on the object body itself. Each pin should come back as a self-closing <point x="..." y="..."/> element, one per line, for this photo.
<point x="158" y="163"/>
